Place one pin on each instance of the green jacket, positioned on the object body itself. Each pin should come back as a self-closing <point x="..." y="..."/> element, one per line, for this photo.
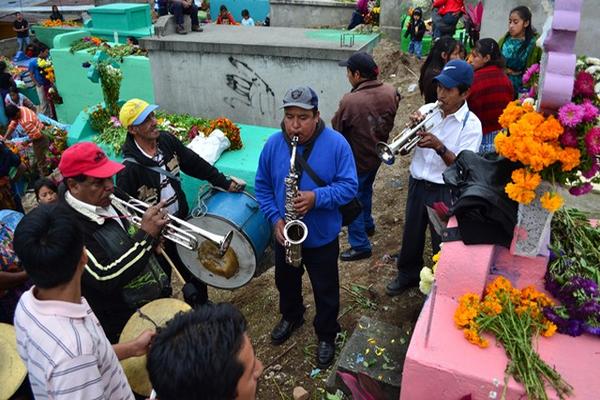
<point x="534" y="57"/>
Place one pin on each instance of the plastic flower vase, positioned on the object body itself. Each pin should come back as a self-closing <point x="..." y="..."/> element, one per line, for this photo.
<point x="532" y="232"/>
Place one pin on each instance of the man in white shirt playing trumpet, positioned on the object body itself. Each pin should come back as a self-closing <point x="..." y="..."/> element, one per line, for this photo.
<point x="453" y="130"/>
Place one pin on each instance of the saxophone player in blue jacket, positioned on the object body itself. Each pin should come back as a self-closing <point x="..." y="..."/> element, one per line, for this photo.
<point x="329" y="155"/>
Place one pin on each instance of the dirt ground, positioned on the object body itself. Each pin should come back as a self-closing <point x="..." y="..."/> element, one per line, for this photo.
<point x="362" y="282"/>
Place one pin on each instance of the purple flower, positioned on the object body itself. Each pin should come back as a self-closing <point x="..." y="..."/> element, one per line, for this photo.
<point x="584" y="85"/>
<point x="581" y="190"/>
<point x="590" y="111"/>
<point x="590" y="173"/>
<point x="570" y="115"/>
<point x="592" y="330"/>
<point x="574" y="327"/>
<point x="592" y="141"/>
<point x="569" y="138"/>
<point x="588" y="285"/>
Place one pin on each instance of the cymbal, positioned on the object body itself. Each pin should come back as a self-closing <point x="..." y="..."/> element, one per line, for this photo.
<point x="12" y="368"/>
<point x="160" y="312"/>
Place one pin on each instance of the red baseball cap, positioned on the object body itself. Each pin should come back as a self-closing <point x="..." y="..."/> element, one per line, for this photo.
<point x="88" y="159"/>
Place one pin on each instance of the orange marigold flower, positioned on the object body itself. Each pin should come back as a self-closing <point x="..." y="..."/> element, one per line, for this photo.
<point x="550" y="129"/>
<point x="504" y="146"/>
<point x="511" y="113"/>
<point x="532" y="120"/>
<point x="519" y="194"/>
<point x="570" y="158"/>
<point x="525" y="179"/>
<point x="551" y="201"/>
<point x="550" y="329"/>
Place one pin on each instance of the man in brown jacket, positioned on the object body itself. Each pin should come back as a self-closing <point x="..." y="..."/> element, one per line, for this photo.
<point x="365" y="116"/>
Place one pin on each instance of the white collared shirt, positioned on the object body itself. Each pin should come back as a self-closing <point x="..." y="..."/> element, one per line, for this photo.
<point x="167" y="192"/>
<point x="455" y="133"/>
<point x="97" y="214"/>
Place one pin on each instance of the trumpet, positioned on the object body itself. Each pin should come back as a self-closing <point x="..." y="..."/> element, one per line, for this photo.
<point x="406" y="140"/>
<point x="177" y="230"/>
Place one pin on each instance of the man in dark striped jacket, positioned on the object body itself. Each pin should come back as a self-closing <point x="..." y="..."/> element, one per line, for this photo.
<point x="122" y="273"/>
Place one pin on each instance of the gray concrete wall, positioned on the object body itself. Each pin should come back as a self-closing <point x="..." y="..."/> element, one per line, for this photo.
<point x="495" y="21"/>
<point x="390" y="18"/>
<point x="8" y="47"/>
<point x="243" y="73"/>
<point x="247" y="89"/>
<point x="310" y="13"/>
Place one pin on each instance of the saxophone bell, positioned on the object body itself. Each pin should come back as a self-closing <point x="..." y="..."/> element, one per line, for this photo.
<point x="295" y="233"/>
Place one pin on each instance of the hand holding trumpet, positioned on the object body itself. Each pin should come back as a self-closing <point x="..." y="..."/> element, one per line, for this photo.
<point x="154" y="219"/>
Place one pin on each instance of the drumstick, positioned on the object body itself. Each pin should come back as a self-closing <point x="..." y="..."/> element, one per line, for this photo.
<point x="164" y="254"/>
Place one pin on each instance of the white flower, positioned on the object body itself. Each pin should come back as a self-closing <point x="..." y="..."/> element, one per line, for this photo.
<point x="593" y="69"/>
<point x="529" y="100"/>
<point x="426" y="282"/>
<point x="592" y="60"/>
<point x="597" y="88"/>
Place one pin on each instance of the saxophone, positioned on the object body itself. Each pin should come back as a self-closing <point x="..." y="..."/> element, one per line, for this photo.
<point x="294" y="231"/>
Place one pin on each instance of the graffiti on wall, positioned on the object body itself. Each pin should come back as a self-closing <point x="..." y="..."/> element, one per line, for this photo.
<point x="250" y="89"/>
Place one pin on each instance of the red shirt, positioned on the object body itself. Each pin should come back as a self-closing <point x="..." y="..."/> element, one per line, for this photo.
<point x="226" y="20"/>
<point x="491" y="92"/>
<point x="449" y="6"/>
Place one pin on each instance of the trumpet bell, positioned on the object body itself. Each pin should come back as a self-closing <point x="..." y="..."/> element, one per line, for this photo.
<point x="225" y="243"/>
<point x="385" y="153"/>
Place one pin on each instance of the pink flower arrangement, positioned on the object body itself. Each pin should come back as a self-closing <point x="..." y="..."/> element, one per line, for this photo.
<point x="584" y="85"/>
<point x="592" y="141"/>
<point x="531" y="71"/>
<point x="571" y="115"/>
<point x="590" y="111"/>
<point x="590" y="173"/>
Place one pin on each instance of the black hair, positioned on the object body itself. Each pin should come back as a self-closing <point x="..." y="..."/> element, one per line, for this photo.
<point x="43" y="182"/>
<point x="489" y="47"/>
<point x="196" y="355"/>
<point x="366" y="75"/>
<point x="13" y="89"/>
<point x="42" y="47"/>
<point x="133" y="40"/>
<point x="223" y="8"/>
<point x="49" y="243"/>
<point x="463" y="87"/>
<point x="434" y="60"/>
<point x="2" y="66"/>
<point x="417" y="11"/>
<point x="77" y="178"/>
<point x="245" y="13"/>
<point x="525" y="14"/>
<point x="11" y="111"/>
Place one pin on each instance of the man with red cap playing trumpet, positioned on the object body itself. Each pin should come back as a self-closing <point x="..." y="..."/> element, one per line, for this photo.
<point x="122" y="272"/>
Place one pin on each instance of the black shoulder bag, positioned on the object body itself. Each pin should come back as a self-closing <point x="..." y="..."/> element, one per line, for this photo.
<point x="349" y="211"/>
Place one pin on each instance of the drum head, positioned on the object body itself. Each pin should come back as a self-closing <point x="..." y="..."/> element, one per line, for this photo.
<point x="240" y="244"/>
<point x="160" y="311"/>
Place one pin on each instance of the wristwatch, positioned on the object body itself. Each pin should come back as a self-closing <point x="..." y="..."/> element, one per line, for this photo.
<point x="440" y="152"/>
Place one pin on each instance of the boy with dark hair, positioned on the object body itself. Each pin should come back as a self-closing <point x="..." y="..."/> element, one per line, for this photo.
<point x="246" y="19"/>
<point x="204" y="354"/>
<point x="60" y="339"/>
<point x="21" y="26"/>
<point x="416" y="31"/>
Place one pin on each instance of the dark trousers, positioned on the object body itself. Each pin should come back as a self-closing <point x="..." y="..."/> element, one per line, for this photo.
<point x="356" y="20"/>
<point x="421" y="193"/>
<point x="357" y="230"/>
<point x="188" y="277"/>
<point x="322" y="267"/>
<point x="178" y="11"/>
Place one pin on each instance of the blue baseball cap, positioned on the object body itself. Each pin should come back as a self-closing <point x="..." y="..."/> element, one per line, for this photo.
<point x="454" y="73"/>
<point x="301" y="96"/>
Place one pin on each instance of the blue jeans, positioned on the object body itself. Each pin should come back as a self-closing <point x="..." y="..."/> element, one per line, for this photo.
<point x="357" y="230"/>
<point x="178" y="11"/>
<point x="22" y="43"/>
<point x="415" y="48"/>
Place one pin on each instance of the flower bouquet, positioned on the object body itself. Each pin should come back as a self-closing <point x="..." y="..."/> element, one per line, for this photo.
<point x="573" y="274"/>
<point x="535" y="141"/>
<point x="515" y="318"/>
<point x="46" y="69"/>
<point x="86" y="43"/>
<point x="427" y="275"/>
<point x="48" y="23"/>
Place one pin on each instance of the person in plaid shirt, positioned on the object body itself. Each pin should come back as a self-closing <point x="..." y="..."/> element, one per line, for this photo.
<point x="33" y="128"/>
<point x="491" y="90"/>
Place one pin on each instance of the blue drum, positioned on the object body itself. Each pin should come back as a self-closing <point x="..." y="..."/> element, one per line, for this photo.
<point x="220" y="212"/>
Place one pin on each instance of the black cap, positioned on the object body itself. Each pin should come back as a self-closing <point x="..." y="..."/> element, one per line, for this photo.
<point x="362" y="62"/>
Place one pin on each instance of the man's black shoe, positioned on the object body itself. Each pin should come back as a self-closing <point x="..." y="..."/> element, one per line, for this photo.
<point x="399" y="285"/>
<point x="353" y="255"/>
<point x="370" y="231"/>
<point x="325" y="354"/>
<point x="283" y="330"/>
